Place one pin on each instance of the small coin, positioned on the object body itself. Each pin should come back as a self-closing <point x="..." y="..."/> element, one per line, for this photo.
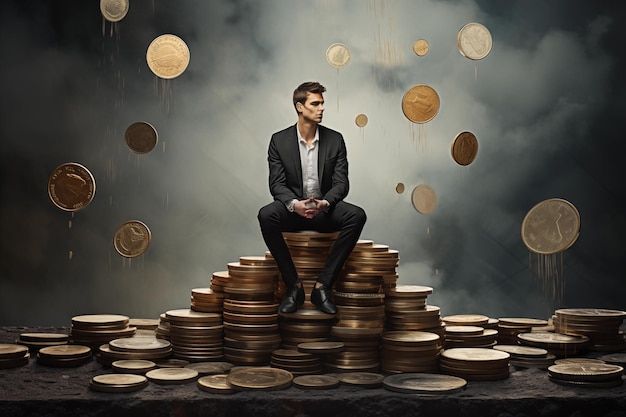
<point x="118" y="382"/>
<point x="464" y="148"/>
<point x="172" y="375"/>
<point x="98" y="320"/>
<point x="424" y="199"/>
<point x="114" y="10"/>
<point x="133" y="366"/>
<point x="216" y="384"/>
<point x="522" y="351"/>
<point x="424" y="383"/>
<point x="12" y="351"/>
<point x="474" y="41"/>
<point x="420" y="103"/>
<point x="210" y="368"/>
<point x="466" y="319"/>
<point x="71" y="187"/>
<point x="132" y="239"/>
<point x="141" y="137"/>
<point x="320" y="347"/>
<point x="361" y="120"/>
<point x="262" y="378"/>
<point x="399" y="188"/>
<point x="316" y="381"/>
<point x="585" y="371"/>
<point x="140" y="343"/>
<point x="338" y="55"/>
<point x="551" y="226"/>
<point x="167" y="56"/>
<point x="421" y="47"/>
<point x="362" y="379"/>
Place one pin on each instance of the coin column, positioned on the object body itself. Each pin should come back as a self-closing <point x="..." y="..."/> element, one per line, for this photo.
<point x="250" y="312"/>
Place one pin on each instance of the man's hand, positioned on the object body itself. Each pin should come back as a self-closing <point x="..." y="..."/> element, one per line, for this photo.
<point x="310" y="207"/>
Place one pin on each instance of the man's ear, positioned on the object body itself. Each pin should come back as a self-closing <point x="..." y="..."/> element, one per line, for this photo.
<point x="299" y="107"/>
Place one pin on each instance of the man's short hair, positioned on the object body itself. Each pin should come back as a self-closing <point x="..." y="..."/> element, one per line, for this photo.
<point x="303" y="90"/>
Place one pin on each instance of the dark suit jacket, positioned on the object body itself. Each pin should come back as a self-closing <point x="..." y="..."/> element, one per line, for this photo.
<point x="285" y="177"/>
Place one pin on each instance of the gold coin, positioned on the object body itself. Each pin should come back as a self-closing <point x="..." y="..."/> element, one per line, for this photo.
<point x="140" y="343"/>
<point x="114" y="10"/>
<point x="424" y="383"/>
<point x="141" y="137"/>
<point x="361" y="120"/>
<point x="421" y="47"/>
<point x="172" y="375"/>
<point x="260" y="378"/>
<point x="71" y="187"/>
<point x="464" y="148"/>
<point x="338" y="55"/>
<point x="590" y="314"/>
<point x="65" y="351"/>
<point x="93" y="320"/>
<point x="133" y="366"/>
<point x="474" y="41"/>
<point x="316" y="381"/>
<point x="585" y="371"/>
<point x="132" y="239"/>
<point x="12" y="351"/>
<point x="210" y="368"/>
<point x="320" y="347"/>
<point x="475" y="355"/>
<point x="424" y="199"/>
<point x="167" y="56"/>
<point x="362" y="379"/>
<point x="522" y="351"/>
<point x="216" y="384"/>
<point x="551" y="226"/>
<point x="466" y="319"/>
<point x="420" y="104"/>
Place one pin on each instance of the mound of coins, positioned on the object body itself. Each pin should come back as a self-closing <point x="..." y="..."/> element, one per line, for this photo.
<point x="601" y="326"/>
<point x="526" y="356"/>
<point x="172" y="376"/>
<point x="593" y="375"/>
<point x="116" y="383"/>
<point x="367" y="249"/>
<point x="207" y="300"/>
<point x="361" y="351"/>
<point x="35" y="341"/>
<point x="196" y="336"/>
<point x="64" y="356"/>
<point x="305" y="325"/>
<point x="13" y="355"/>
<point x="362" y="379"/>
<point x="424" y="383"/>
<point x="469" y="336"/>
<point x="316" y="381"/>
<point x="251" y="281"/>
<point x="560" y="345"/>
<point x="133" y="366"/>
<point x="71" y="187"/>
<point x="406" y="309"/>
<point x="410" y="351"/>
<point x="136" y="347"/>
<point x="260" y="378"/>
<point x="296" y="362"/>
<point x="510" y="327"/>
<point x="475" y="364"/>
<point x="216" y="384"/>
<point x="95" y="329"/>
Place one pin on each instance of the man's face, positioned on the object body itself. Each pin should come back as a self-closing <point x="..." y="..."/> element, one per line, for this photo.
<point x="313" y="108"/>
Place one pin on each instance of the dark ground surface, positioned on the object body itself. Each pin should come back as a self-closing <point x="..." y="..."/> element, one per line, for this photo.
<point x="38" y="390"/>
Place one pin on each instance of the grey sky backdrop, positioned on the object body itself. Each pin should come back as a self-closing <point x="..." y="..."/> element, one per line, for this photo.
<point x="545" y="106"/>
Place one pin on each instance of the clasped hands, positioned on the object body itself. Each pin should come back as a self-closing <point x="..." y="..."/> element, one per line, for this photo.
<point x="310" y="207"/>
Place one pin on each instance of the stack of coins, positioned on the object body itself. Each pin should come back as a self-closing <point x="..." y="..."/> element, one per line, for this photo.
<point x="469" y="336"/>
<point x="133" y="366"/>
<point x="144" y="324"/>
<point x="360" y="344"/>
<point x="296" y="362"/>
<point x="560" y="345"/>
<point x="476" y="364"/>
<point x="115" y="383"/>
<point x="406" y="309"/>
<point x="219" y="281"/>
<point x="64" y="355"/>
<point x="305" y="325"/>
<point x="206" y="300"/>
<point x="601" y="326"/>
<point x="410" y="351"/>
<point x="13" y="355"/>
<point x="196" y="336"/>
<point x="95" y="329"/>
<point x="163" y="329"/>
<point x="510" y="327"/>
<point x="527" y="357"/>
<point x="35" y="341"/>
<point x="134" y="348"/>
<point x="368" y="268"/>
<point x="586" y="374"/>
<point x="251" y="282"/>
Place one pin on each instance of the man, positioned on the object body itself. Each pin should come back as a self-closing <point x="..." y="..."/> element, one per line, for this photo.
<point x="308" y="178"/>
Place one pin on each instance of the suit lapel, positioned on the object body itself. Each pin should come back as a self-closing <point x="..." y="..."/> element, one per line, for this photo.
<point x="321" y="154"/>
<point x="295" y="152"/>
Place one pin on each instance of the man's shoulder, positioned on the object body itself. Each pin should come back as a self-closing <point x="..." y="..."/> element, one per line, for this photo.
<point x="288" y="131"/>
<point x="328" y="132"/>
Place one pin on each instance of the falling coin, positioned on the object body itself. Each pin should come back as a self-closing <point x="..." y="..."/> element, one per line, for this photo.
<point x="424" y="199"/>
<point x="141" y="137"/>
<point x="474" y="41"/>
<point x="167" y="56"/>
<point x="420" y="47"/>
<point x="551" y="226"/>
<point x="464" y="148"/>
<point x="361" y="120"/>
<point x="338" y="55"/>
<point x="132" y="239"/>
<point x="71" y="187"/>
<point x="114" y="10"/>
<point x="399" y="188"/>
<point x="420" y="104"/>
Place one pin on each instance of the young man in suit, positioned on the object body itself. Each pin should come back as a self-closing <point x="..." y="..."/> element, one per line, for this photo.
<point x="308" y="178"/>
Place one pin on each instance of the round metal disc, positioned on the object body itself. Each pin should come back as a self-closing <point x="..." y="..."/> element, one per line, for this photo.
<point x="551" y="226"/>
<point x="141" y="137"/>
<point x="420" y="103"/>
<point x="464" y="148"/>
<point x="474" y="41"/>
<point x="167" y="56"/>
<point x="71" y="187"/>
<point x="424" y="383"/>
<point x="424" y="199"/>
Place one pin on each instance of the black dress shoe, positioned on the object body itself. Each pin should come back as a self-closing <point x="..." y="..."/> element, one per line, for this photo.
<point x="321" y="297"/>
<point x="292" y="300"/>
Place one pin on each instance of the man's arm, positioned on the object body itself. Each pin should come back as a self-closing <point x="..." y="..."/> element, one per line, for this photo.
<point x="277" y="176"/>
<point x="338" y="164"/>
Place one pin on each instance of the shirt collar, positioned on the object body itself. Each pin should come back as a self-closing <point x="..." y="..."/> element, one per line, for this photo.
<point x="315" y="139"/>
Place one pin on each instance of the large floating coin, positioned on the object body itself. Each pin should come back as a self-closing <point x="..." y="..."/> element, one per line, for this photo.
<point x="474" y="41"/>
<point x="71" y="187"/>
<point x="114" y="10"/>
<point x="132" y="239"/>
<point x="420" y="104"/>
<point x="168" y="56"/>
<point x="141" y="137"/>
<point x="551" y="226"/>
<point x="338" y="55"/>
<point x="464" y="148"/>
<point x="260" y="378"/>
<point x="424" y="383"/>
<point x="424" y="199"/>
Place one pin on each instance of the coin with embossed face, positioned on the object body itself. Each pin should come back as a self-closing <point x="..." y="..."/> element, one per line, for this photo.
<point x="551" y="226"/>
<point x="132" y="239"/>
<point x="464" y="148"/>
<point x="114" y="10"/>
<point x="260" y="378"/>
<point x="361" y="120"/>
<point x="141" y="137"/>
<point x="474" y="41"/>
<point x="168" y="56"/>
<point x="71" y="187"/>
<point x="338" y="55"/>
<point x="421" y="47"/>
<point x="420" y="103"/>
